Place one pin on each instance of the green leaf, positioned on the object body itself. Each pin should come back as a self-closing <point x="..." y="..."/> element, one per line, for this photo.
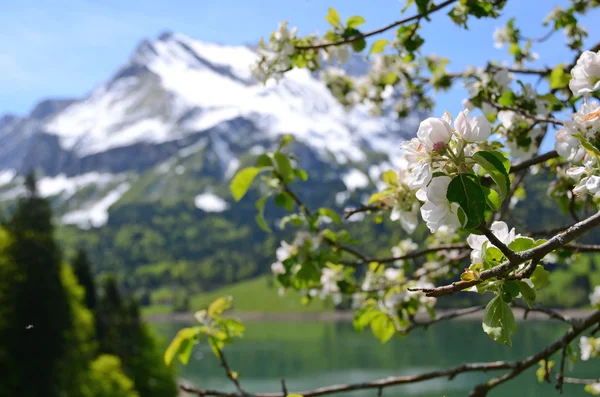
<point x="540" y="373"/>
<point x="285" y="140"/>
<point x="559" y="78"/>
<point x="284" y="167"/>
<point x="241" y="182"/>
<point x="521" y="244"/>
<point x="493" y="256"/>
<point x="499" y="321"/>
<point x="284" y="200"/>
<point x="260" y="217"/>
<point x="507" y="99"/>
<point x="359" y="45"/>
<point x="331" y="214"/>
<point x="378" y="46"/>
<point x="355" y="21"/>
<point x="511" y="288"/>
<point x="264" y="161"/>
<point x="181" y="345"/>
<point x="423" y="7"/>
<point x="469" y="195"/>
<point x="527" y="292"/>
<point x="333" y="18"/>
<point x="492" y="198"/>
<point x="592" y="390"/>
<point x="539" y="278"/>
<point x="364" y="316"/>
<point x="301" y="174"/>
<point x="490" y="162"/>
<point x="219" y="305"/>
<point x="383" y="327"/>
<point x="591" y="149"/>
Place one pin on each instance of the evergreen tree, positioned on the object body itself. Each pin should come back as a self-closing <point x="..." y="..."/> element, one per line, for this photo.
<point x="36" y="343"/>
<point x="83" y="272"/>
<point x="121" y="332"/>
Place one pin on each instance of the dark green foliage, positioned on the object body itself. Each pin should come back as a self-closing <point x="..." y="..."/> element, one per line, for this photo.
<point x="47" y="330"/>
<point x="122" y="333"/>
<point x="40" y="318"/>
<point x="83" y="272"/>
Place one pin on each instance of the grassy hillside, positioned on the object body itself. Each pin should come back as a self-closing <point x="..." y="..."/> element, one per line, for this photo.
<point x="259" y="295"/>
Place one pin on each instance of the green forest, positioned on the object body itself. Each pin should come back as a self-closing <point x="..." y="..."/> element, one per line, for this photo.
<point x="64" y="331"/>
<point x="164" y="255"/>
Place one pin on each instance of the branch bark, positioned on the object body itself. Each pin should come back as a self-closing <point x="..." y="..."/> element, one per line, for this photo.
<point x="378" y="31"/>
<point x="516" y="367"/>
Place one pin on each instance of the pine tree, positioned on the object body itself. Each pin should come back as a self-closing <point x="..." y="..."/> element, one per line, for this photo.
<point x="83" y="272"/>
<point x="122" y="332"/>
<point x="41" y="313"/>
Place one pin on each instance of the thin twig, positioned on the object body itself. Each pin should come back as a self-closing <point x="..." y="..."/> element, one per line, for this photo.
<point x="392" y="25"/>
<point x="560" y="378"/>
<point x="533" y="161"/>
<point x="540" y="119"/>
<point x="516" y="367"/>
<point x="535" y="254"/>
<point x="230" y="374"/>
<point x="579" y="381"/>
<point x="508" y="253"/>
<point x="578" y="328"/>
<point x="443" y="317"/>
<point x="553" y="314"/>
<point x="363" y="208"/>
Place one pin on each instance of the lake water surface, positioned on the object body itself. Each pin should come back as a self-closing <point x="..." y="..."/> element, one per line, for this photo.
<point x="314" y="354"/>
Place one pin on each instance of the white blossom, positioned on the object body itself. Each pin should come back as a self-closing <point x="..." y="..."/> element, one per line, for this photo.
<point x="501" y="37"/>
<point x="568" y="146"/>
<point x="586" y="74"/>
<point x="437" y="210"/>
<point x="476" y="130"/>
<point x="408" y="219"/>
<point x="595" y="297"/>
<point x="392" y="274"/>
<point x="476" y="242"/>
<point x="594" y="388"/>
<point x="588" y="347"/>
<point x="434" y="133"/>
<point x="420" y="175"/>
<point x="277" y="268"/>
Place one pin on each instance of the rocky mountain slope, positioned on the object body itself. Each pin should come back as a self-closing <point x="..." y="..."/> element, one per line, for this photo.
<point x="174" y="122"/>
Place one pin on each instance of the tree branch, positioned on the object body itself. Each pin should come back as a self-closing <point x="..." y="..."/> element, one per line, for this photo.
<point x="508" y="253"/>
<point x="579" y="327"/>
<point x="377" y="31"/>
<point x="535" y="254"/>
<point x="230" y="374"/>
<point x="443" y="317"/>
<point x="579" y="381"/>
<point x="553" y="314"/>
<point x="517" y="367"/>
<point x="540" y="119"/>
<point x="533" y="161"/>
<point x="363" y="208"/>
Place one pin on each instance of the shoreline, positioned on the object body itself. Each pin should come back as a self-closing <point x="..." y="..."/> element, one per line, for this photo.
<point x="343" y="316"/>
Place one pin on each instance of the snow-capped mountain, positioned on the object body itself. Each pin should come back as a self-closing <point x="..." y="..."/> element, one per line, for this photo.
<point x="179" y="110"/>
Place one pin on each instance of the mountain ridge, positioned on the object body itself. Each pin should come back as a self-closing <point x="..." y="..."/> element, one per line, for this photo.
<point x="175" y="94"/>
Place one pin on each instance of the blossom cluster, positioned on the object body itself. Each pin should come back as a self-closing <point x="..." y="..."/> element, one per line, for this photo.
<point x="275" y="57"/>
<point x="590" y="347"/>
<point x="595" y="297"/>
<point x="434" y="155"/>
<point x="579" y="139"/>
<point x="290" y="256"/>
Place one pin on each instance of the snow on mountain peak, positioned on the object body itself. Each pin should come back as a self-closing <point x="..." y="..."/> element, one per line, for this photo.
<point x="176" y="89"/>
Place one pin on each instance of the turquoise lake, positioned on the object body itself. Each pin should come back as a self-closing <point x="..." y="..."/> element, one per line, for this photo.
<point x="314" y="354"/>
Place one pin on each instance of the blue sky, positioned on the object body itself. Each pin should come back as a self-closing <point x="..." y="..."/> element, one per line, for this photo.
<point x="64" y="48"/>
